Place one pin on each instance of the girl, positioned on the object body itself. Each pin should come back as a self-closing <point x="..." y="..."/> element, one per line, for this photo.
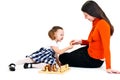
<point x="46" y="55"/>
<point x="97" y="49"/>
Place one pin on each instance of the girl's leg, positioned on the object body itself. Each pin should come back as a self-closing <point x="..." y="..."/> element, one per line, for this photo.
<point x="26" y="60"/>
<point x="39" y="65"/>
<point x="74" y="58"/>
<point x="79" y="58"/>
<point x="19" y="62"/>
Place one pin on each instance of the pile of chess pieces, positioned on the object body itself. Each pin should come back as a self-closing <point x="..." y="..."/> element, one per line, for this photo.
<point x="55" y="69"/>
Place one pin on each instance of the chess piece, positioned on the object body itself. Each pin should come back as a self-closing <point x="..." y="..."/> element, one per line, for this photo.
<point x="47" y="68"/>
<point x="66" y="66"/>
<point x="54" y="68"/>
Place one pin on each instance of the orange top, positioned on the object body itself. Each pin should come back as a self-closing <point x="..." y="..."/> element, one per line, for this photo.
<point x="99" y="41"/>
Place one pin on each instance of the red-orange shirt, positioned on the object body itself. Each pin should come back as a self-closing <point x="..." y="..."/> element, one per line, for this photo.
<point x="99" y="41"/>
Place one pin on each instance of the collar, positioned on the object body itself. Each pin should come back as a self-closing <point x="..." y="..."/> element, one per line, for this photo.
<point x="95" y="21"/>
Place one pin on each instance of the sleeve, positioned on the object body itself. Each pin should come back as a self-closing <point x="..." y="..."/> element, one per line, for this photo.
<point x="84" y="42"/>
<point x="53" y="43"/>
<point x="104" y="30"/>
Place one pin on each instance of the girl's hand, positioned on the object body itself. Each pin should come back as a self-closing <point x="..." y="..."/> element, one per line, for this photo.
<point x="71" y="45"/>
<point x="75" y="42"/>
<point x="112" y="71"/>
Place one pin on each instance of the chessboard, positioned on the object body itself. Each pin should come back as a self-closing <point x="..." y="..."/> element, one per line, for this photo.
<point x="54" y="70"/>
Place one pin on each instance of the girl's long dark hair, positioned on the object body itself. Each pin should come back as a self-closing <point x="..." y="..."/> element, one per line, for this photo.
<point x="93" y="9"/>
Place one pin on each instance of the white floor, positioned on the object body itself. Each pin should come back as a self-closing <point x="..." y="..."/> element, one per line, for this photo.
<point x="71" y="74"/>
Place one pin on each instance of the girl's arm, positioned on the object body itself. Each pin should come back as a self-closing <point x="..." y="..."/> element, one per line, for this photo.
<point x="61" y="51"/>
<point x="82" y="42"/>
<point x="57" y="60"/>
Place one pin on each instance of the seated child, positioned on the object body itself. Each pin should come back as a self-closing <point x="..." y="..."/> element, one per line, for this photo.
<point x="45" y="55"/>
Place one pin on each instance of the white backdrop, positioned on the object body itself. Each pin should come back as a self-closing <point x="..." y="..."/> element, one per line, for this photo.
<point x="24" y="25"/>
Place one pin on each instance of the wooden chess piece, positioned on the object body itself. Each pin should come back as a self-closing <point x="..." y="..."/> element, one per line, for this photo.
<point x="48" y="68"/>
<point x="67" y="66"/>
<point x="54" y="68"/>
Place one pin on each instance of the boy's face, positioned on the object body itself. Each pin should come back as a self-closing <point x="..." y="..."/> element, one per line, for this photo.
<point x="59" y="34"/>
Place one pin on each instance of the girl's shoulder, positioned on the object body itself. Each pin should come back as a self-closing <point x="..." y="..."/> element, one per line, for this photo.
<point x="53" y="43"/>
<point x="102" y="24"/>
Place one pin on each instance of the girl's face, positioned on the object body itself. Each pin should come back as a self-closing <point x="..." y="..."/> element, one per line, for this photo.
<point x="89" y="17"/>
<point x="59" y="34"/>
